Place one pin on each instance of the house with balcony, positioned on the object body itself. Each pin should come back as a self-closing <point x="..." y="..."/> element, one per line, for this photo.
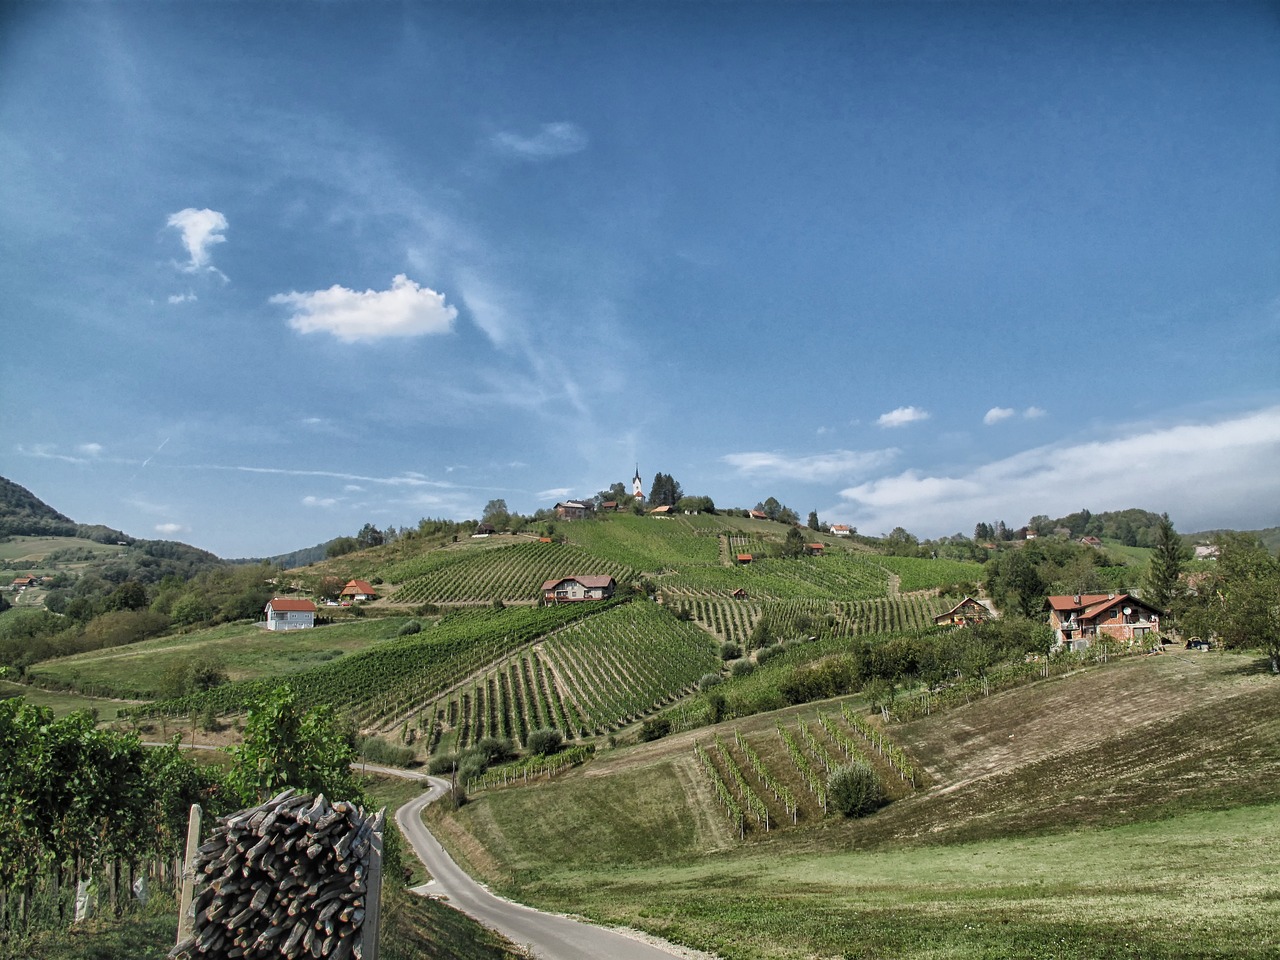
<point x="1081" y="620"/>
<point x="967" y="611"/>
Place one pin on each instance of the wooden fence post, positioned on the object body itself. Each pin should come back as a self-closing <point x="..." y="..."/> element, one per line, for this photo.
<point x="186" y="922"/>
<point x="373" y="893"/>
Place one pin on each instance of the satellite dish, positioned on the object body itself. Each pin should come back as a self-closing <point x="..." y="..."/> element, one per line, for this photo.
<point x="1128" y="610"/>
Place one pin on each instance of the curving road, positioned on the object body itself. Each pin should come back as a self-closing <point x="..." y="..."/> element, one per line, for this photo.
<point x="547" y="935"/>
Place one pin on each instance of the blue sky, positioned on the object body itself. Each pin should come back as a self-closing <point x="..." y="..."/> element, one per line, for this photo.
<point x="272" y="271"/>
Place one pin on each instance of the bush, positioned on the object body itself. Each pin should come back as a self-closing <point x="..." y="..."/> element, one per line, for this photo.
<point x="855" y="790"/>
<point x="740" y="668"/>
<point x="412" y="626"/>
<point x="709" y="680"/>
<point x="730" y="650"/>
<point x="442" y="764"/>
<point x="377" y="750"/>
<point x="765" y="654"/>
<point x="492" y="750"/>
<point x="544" y="742"/>
<point x="655" y="728"/>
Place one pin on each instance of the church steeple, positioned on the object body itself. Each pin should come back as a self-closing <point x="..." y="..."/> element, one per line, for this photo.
<point x="637" y="485"/>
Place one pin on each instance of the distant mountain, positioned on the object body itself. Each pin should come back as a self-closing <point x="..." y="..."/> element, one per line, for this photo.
<point x="290" y="561"/>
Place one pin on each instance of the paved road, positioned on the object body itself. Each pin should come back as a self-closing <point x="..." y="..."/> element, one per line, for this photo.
<point x="547" y="935"/>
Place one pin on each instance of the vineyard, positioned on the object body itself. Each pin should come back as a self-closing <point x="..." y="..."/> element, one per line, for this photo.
<point x="650" y="544"/>
<point x="396" y="678"/>
<point x="779" y="780"/>
<point x="734" y="620"/>
<point x="500" y="573"/>
<point x="595" y="675"/>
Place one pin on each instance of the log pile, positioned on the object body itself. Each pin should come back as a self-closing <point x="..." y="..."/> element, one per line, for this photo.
<point x="285" y="879"/>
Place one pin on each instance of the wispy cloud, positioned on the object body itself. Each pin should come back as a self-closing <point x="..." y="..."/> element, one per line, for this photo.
<point x="187" y="297"/>
<point x="555" y="493"/>
<point x="200" y="229"/>
<point x="901" y="417"/>
<point x="552" y="140"/>
<point x="405" y="310"/>
<point x="320" y="501"/>
<point x="997" y="414"/>
<point x="169" y="529"/>
<point x="1164" y="468"/>
<point x="90" y="449"/>
<point x="836" y="465"/>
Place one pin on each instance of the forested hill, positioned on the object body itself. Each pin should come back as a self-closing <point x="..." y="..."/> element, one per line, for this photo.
<point x="19" y="506"/>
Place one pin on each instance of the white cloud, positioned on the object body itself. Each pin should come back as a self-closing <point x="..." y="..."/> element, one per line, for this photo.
<point x="182" y="297"/>
<point x="902" y="416"/>
<point x="319" y="501"/>
<point x="552" y="140"/>
<point x="169" y="529"/>
<point x="201" y="229"/>
<point x="405" y="310"/>
<point x="1205" y="475"/>
<point x="996" y="414"/>
<point x="836" y="465"/>
<point x="1033" y="413"/>
<point x="91" y="449"/>
<point x="555" y="493"/>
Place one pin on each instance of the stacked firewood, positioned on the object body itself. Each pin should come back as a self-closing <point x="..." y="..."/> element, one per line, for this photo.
<point x="286" y="879"/>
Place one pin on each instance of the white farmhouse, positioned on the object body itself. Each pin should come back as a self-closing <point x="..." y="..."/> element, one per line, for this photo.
<point x="285" y="613"/>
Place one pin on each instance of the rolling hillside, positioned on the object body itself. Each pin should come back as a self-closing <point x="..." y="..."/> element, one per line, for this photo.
<point x="1126" y="810"/>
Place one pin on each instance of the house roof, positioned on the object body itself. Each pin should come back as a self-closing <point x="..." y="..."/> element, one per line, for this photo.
<point x="816" y="546"/>
<point x="758" y="514"/>
<point x="745" y="557"/>
<point x="966" y="600"/>
<point x="289" y="604"/>
<point x="665" y="508"/>
<point x="1089" y="605"/>
<point x="588" y="582"/>
<point x="358" y="586"/>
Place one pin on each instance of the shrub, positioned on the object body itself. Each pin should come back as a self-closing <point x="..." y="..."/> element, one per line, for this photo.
<point x="765" y="654"/>
<point x="740" y="668"/>
<point x="377" y="750"/>
<point x="709" y="680"/>
<point x="492" y="750"/>
<point x="729" y="650"/>
<point x="442" y="764"/>
<point x="655" y="728"/>
<point x="412" y="626"/>
<point x="544" y="742"/>
<point x="855" y="790"/>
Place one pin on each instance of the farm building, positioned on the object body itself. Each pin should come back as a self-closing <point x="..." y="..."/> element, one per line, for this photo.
<point x="1079" y="620"/>
<point x="286" y="613"/>
<point x="964" y="613"/>
<point x="572" y="510"/>
<point x="359" y="590"/>
<point x="815" y="549"/>
<point x="841" y="530"/>
<point x="574" y="589"/>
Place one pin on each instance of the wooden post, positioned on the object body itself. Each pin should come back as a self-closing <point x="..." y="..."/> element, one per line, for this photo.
<point x="373" y="893"/>
<point x="186" y="922"/>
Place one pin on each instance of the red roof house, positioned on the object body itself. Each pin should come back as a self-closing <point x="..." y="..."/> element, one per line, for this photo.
<point x="359" y="590"/>
<point x="1081" y="619"/>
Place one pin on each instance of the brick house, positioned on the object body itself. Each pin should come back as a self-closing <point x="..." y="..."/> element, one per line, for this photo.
<point x="286" y="613"/>
<point x="575" y="589"/>
<point x="1081" y="619"/>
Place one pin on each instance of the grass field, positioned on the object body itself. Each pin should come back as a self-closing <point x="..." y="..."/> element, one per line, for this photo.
<point x="35" y="549"/>
<point x="1129" y="810"/>
<point x="60" y="703"/>
<point x="246" y="651"/>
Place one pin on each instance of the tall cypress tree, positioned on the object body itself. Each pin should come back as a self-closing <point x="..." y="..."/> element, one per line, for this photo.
<point x="1163" y="586"/>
